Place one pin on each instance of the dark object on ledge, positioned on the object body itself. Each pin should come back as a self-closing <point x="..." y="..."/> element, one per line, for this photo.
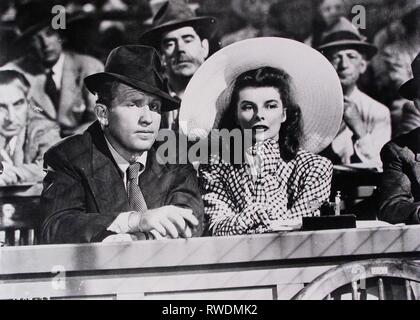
<point x="345" y="221"/>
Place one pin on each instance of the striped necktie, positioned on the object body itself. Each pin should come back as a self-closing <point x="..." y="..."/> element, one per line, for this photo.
<point x="135" y="197"/>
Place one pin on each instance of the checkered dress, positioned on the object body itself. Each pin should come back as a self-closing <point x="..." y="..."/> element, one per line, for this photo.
<point x="248" y="198"/>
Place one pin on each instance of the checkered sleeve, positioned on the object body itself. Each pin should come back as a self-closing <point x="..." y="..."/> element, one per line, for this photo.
<point x="316" y="187"/>
<point x="225" y="218"/>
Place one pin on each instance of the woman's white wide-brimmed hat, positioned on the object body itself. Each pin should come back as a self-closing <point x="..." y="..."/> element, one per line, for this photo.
<point x="316" y="84"/>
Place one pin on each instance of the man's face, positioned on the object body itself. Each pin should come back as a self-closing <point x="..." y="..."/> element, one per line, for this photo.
<point x="183" y="51"/>
<point x="13" y="110"/>
<point x="349" y="64"/>
<point x="47" y="43"/>
<point x="133" y="120"/>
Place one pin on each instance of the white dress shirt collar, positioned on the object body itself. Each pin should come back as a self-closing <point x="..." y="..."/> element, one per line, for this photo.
<point x="7" y="156"/>
<point x="124" y="164"/>
<point x="58" y="71"/>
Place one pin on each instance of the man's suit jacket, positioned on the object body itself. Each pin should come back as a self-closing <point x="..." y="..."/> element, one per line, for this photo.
<point x="84" y="189"/>
<point x="399" y="193"/>
<point x="76" y="104"/>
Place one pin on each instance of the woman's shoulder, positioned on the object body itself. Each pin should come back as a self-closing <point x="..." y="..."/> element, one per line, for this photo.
<point x="217" y="162"/>
<point x="308" y="159"/>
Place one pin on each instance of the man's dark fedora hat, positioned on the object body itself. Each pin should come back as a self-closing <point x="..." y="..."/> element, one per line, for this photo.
<point x="136" y="66"/>
<point x="345" y="35"/>
<point x="411" y="89"/>
<point x="34" y="16"/>
<point x="176" y="14"/>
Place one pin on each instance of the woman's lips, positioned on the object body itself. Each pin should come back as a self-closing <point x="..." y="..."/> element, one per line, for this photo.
<point x="260" y="128"/>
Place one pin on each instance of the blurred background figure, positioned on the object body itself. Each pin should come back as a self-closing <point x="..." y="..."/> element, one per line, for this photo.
<point x="327" y="15"/>
<point x="258" y="19"/>
<point x="107" y="24"/>
<point x="366" y="125"/>
<point x="399" y="43"/>
<point x="120" y="22"/>
<point x="7" y="30"/>
<point x="399" y="19"/>
<point x="7" y="10"/>
<point x="55" y="74"/>
<point x="25" y="134"/>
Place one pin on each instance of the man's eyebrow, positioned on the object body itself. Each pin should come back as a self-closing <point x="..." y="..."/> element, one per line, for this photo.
<point x="18" y="101"/>
<point x="189" y="35"/>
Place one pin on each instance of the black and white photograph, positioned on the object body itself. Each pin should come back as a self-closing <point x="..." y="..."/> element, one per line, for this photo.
<point x="209" y="154"/>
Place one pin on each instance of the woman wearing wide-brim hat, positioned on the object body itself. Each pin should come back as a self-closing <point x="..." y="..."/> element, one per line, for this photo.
<point x="287" y="99"/>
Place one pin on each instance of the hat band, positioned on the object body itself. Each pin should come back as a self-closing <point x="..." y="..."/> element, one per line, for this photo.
<point x="340" y="36"/>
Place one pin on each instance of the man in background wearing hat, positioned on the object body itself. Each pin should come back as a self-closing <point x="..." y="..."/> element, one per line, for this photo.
<point x="366" y="123"/>
<point x="183" y="40"/>
<point x="56" y="75"/>
<point x="110" y="183"/>
<point x="399" y="192"/>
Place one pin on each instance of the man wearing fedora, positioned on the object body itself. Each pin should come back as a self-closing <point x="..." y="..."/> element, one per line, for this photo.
<point x="399" y="192"/>
<point x="110" y="183"/>
<point x="56" y="75"/>
<point x="182" y="38"/>
<point x="366" y="123"/>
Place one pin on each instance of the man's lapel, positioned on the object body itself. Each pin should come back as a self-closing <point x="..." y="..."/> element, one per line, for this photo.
<point x="106" y="180"/>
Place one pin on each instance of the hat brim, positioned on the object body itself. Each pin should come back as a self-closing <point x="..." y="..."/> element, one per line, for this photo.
<point x="95" y="82"/>
<point x="366" y="48"/>
<point x="31" y="31"/>
<point x="153" y="36"/>
<point x="317" y="87"/>
<point x="409" y="90"/>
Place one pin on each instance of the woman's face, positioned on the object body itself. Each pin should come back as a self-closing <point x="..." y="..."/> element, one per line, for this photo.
<point x="260" y="110"/>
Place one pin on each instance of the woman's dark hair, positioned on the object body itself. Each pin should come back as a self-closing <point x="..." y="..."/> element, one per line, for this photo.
<point x="290" y="130"/>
